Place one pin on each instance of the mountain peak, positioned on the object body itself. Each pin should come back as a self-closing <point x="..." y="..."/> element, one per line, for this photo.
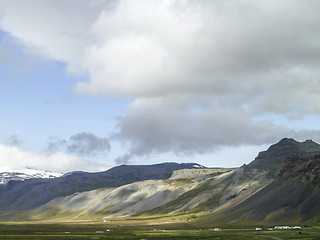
<point x="285" y="143"/>
<point x="287" y="140"/>
<point x="274" y="157"/>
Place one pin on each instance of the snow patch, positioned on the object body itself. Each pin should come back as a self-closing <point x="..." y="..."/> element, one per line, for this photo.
<point x="23" y="174"/>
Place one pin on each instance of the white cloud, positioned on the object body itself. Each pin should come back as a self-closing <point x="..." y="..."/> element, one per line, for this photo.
<point x="231" y="49"/>
<point x="200" y="72"/>
<point x="14" y="158"/>
<point x="59" y="30"/>
<point x="137" y="48"/>
<point x="142" y="48"/>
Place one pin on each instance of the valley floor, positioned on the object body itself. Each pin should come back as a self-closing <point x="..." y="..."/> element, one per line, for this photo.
<point x="125" y="230"/>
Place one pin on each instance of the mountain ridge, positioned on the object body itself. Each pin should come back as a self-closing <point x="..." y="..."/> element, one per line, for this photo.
<point x="32" y="193"/>
<point x="204" y="196"/>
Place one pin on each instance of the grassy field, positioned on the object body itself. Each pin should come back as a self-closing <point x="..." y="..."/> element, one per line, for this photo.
<point x="116" y="230"/>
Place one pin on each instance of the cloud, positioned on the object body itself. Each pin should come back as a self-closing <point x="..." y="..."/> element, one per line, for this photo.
<point x="55" y="144"/>
<point x="53" y="30"/>
<point x="14" y="159"/>
<point x="14" y="140"/>
<point x="162" y="128"/>
<point x="141" y="48"/>
<point x="12" y="55"/>
<point x="83" y="144"/>
<point x="246" y="51"/>
<point x="124" y="159"/>
<point x="203" y="74"/>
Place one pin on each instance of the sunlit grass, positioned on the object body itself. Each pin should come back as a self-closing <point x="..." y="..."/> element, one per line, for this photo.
<point x="113" y="230"/>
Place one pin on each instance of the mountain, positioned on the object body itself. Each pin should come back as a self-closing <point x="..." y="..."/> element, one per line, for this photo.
<point x="293" y="197"/>
<point x="274" y="157"/>
<point x="24" y="174"/>
<point x="32" y="193"/>
<point x="281" y="186"/>
<point x="131" y="199"/>
<point x="196" y="191"/>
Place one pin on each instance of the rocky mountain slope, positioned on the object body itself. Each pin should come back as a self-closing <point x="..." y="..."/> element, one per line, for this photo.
<point x="294" y="196"/>
<point x="130" y="199"/>
<point x="281" y="185"/>
<point x="32" y="193"/>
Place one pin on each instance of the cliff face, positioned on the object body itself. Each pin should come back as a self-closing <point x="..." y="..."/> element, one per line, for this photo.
<point x="302" y="169"/>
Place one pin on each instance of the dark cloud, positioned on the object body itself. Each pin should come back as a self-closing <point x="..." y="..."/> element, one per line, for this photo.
<point x="86" y="144"/>
<point x="124" y="159"/>
<point x="14" y="140"/>
<point x="184" y="132"/>
<point x="55" y="144"/>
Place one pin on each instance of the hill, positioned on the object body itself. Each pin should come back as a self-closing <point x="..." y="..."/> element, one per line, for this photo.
<point x="32" y="193"/>
<point x="293" y="197"/>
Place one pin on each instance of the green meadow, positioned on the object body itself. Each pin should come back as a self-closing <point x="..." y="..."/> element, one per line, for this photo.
<point x="39" y="231"/>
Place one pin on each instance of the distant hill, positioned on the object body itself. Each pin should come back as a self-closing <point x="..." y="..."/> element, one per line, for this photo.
<point x="31" y="193"/>
<point x="147" y="197"/>
<point x="274" y="157"/>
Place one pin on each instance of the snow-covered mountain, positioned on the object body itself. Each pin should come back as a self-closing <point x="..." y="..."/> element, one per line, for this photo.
<point x="27" y="173"/>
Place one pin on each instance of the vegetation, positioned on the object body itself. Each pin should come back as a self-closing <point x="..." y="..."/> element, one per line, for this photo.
<point x="47" y="231"/>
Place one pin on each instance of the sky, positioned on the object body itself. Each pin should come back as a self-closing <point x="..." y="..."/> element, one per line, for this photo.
<point x="90" y="84"/>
